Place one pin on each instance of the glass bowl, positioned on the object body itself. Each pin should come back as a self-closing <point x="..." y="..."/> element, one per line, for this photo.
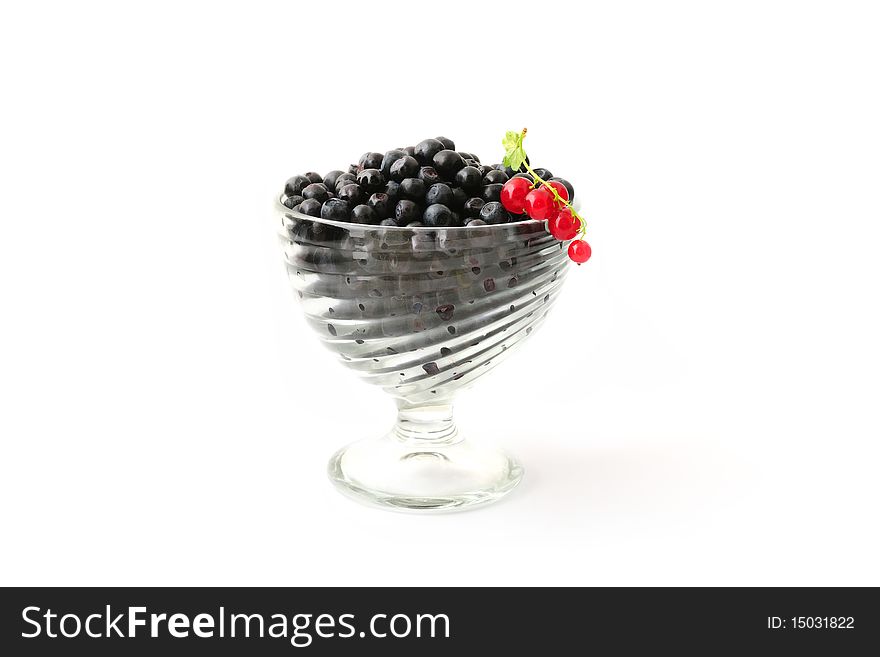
<point x="423" y="313"/>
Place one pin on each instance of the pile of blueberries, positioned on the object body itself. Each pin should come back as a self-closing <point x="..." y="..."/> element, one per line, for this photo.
<point x="429" y="184"/>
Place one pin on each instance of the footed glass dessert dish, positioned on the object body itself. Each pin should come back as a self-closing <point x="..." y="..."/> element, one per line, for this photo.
<point x="423" y="313"/>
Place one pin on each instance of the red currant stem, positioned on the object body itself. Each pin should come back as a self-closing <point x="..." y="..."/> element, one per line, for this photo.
<point x="582" y="222"/>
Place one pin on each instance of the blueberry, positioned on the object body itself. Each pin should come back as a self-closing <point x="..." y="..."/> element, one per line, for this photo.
<point x="437" y="215"/>
<point x="371" y="180"/>
<point x="447" y="143"/>
<point x="351" y="194"/>
<point x="446" y="312"/>
<point x="310" y="207"/>
<point x="567" y="186"/>
<point x="295" y="185"/>
<point x="405" y="167"/>
<point x="495" y="177"/>
<point x="292" y="201"/>
<point x="316" y="191"/>
<point x="330" y="179"/>
<point x="343" y="180"/>
<point x="456" y="219"/>
<point x="473" y="206"/>
<point x="370" y="161"/>
<point x="439" y="193"/>
<point x="406" y="211"/>
<point x="527" y="176"/>
<point x="469" y="162"/>
<point x="448" y="163"/>
<point x="335" y="209"/>
<point x="392" y="188"/>
<point x="475" y="222"/>
<point x="469" y="179"/>
<point x="429" y="175"/>
<point x="363" y="214"/>
<point x="313" y="176"/>
<point x="317" y="231"/>
<point x="544" y="174"/>
<point x="415" y="224"/>
<point x="459" y="198"/>
<point x="353" y="169"/>
<point x="492" y="192"/>
<point x="388" y="159"/>
<point x="427" y="149"/>
<point x="494" y="213"/>
<point x="410" y="150"/>
<point x="381" y="204"/>
<point x="474" y="157"/>
<point x="388" y="222"/>
<point x="423" y="241"/>
<point x="412" y="189"/>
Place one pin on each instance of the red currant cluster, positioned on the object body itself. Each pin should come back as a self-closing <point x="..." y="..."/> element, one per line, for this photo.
<point x="547" y="201"/>
<point x="542" y="200"/>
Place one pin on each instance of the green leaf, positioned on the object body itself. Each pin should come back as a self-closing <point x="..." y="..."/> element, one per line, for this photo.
<point x="512" y="140"/>
<point x="514" y="158"/>
<point x="514" y="153"/>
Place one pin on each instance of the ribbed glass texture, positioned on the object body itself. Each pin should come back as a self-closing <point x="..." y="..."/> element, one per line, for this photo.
<point x="421" y="312"/>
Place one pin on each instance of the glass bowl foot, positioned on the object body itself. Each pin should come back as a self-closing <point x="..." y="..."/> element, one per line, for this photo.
<point x="406" y="474"/>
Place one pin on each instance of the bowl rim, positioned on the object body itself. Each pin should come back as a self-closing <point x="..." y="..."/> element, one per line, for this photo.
<point x="279" y="205"/>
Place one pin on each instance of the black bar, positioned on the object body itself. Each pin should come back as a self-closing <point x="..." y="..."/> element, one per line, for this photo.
<point x="550" y="621"/>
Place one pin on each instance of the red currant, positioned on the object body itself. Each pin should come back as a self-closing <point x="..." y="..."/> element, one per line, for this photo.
<point x="564" y="226"/>
<point x="579" y="251"/>
<point x="513" y="195"/>
<point x="540" y="204"/>
<point x="560" y="189"/>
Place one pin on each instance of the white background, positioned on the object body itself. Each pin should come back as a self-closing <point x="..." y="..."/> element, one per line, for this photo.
<point x="700" y="408"/>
